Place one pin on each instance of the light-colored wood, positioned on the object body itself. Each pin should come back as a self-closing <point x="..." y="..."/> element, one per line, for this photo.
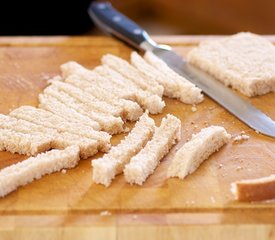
<point x="68" y="206"/>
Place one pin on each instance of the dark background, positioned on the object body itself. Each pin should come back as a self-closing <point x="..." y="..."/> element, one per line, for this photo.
<point x="157" y="16"/>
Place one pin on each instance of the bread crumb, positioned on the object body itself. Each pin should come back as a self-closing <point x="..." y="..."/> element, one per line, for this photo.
<point x="194" y="108"/>
<point x="241" y="137"/>
<point x="238" y="168"/>
<point x="105" y="213"/>
<point x="63" y="171"/>
<point x="256" y="131"/>
<point x="220" y="165"/>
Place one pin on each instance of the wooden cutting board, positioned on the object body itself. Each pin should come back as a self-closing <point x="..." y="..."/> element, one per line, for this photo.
<point x="71" y="206"/>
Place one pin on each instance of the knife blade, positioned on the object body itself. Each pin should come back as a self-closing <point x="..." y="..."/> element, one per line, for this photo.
<point x="116" y="24"/>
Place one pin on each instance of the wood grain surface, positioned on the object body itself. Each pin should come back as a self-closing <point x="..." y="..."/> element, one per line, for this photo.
<point x="68" y="206"/>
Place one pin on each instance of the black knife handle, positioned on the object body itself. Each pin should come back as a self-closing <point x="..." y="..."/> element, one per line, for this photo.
<point x="113" y="22"/>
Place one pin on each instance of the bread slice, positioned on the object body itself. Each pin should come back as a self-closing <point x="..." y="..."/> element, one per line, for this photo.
<point x="107" y="122"/>
<point x="128" y="90"/>
<point x="244" y="61"/>
<point x="95" y="83"/>
<point x="112" y="163"/>
<point x="28" y="144"/>
<point x="58" y="108"/>
<point x="189" y="157"/>
<point x="90" y="102"/>
<point x="49" y="120"/>
<point x="176" y="86"/>
<point x="60" y="140"/>
<point x="33" y="168"/>
<point x="123" y="67"/>
<point x="144" y="163"/>
<point x="259" y="189"/>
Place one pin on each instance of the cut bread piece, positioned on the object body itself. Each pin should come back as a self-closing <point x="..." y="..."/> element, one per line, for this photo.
<point x="123" y="67"/>
<point x="91" y="102"/>
<point x="182" y="89"/>
<point x="60" y="140"/>
<point x="95" y="83"/>
<point x="189" y="157"/>
<point x="259" y="189"/>
<point x="107" y="122"/>
<point x="27" y="144"/>
<point x="244" y="61"/>
<point x="128" y="90"/>
<point x="56" y="107"/>
<point x="112" y="163"/>
<point x="144" y="163"/>
<point x="33" y="168"/>
<point x="49" y="120"/>
<point x="131" y="110"/>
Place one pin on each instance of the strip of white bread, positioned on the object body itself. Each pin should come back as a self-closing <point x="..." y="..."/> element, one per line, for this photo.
<point x="56" y="107"/>
<point x="244" y="61"/>
<point x="259" y="189"/>
<point x="181" y="88"/>
<point x="144" y="163"/>
<point x="107" y="122"/>
<point x="106" y="168"/>
<point x="102" y="86"/>
<point x="129" y="90"/>
<point x="27" y="144"/>
<point x="126" y="69"/>
<point x="189" y="157"/>
<point x="49" y="120"/>
<point x="92" y="103"/>
<point x="60" y="140"/>
<point x="25" y="172"/>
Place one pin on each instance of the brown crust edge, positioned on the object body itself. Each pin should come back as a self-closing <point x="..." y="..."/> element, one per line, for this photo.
<point x="259" y="189"/>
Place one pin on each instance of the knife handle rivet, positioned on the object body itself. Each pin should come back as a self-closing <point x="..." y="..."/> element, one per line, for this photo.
<point x="137" y="31"/>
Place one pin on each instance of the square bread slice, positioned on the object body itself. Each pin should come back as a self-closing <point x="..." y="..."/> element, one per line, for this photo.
<point x="189" y="157"/>
<point x="244" y="61"/>
<point x="112" y="163"/>
<point x="33" y="168"/>
<point x="144" y="163"/>
<point x="183" y="89"/>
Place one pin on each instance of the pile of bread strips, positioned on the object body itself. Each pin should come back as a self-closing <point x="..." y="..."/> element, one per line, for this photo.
<point x="80" y="110"/>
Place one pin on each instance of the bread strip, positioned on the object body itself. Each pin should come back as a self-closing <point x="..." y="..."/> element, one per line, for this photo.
<point x="128" y="90"/>
<point x="92" y="103"/>
<point x="185" y="91"/>
<point x="58" y="108"/>
<point x="132" y="74"/>
<point x="49" y="120"/>
<point x="28" y="144"/>
<point x="112" y="163"/>
<point x="244" y="61"/>
<point x="107" y="122"/>
<point x="33" y="168"/>
<point x="189" y="157"/>
<point x="96" y="83"/>
<point x="258" y="189"/>
<point x="60" y="140"/>
<point x="144" y="163"/>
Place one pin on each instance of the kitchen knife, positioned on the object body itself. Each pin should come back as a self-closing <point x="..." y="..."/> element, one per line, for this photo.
<point x="116" y="24"/>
